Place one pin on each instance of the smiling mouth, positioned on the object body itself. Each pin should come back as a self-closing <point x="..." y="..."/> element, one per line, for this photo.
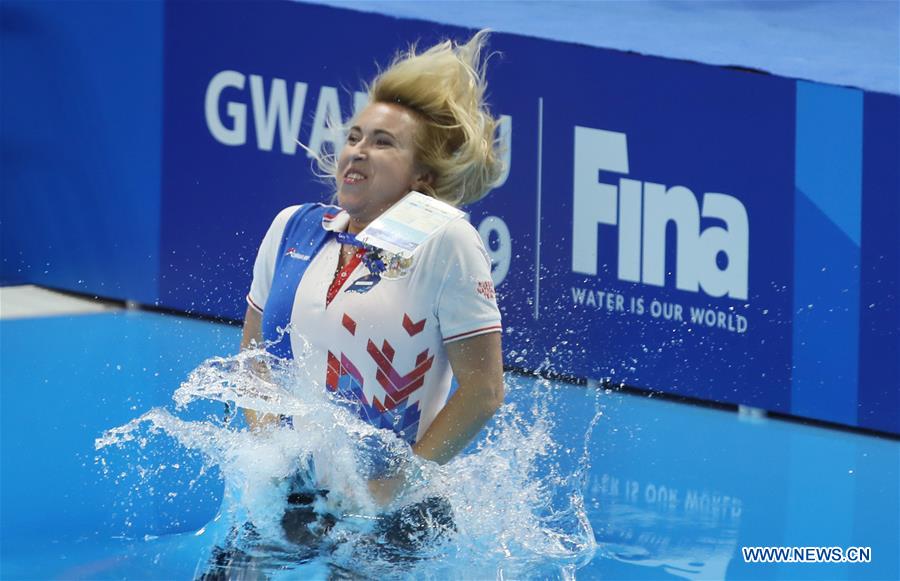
<point x="353" y="177"/>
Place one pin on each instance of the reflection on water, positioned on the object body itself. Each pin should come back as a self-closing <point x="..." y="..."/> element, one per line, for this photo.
<point x="688" y="533"/>
<point x="297" y="499"/>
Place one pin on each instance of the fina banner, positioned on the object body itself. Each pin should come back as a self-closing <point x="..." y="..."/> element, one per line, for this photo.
<point x="643" y="231"/>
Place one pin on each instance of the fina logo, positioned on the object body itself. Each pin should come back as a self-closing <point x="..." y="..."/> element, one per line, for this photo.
<point x="642" y="255"/>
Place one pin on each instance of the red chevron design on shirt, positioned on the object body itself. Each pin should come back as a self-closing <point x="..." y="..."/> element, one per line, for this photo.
<point x="412" y="328"/>
<point x="397" y="387"/>
<point x="337" y="368"/>
<point x="349" y="324"/>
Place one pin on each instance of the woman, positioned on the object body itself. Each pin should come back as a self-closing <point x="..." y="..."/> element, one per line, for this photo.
<point x="389" y="339"/>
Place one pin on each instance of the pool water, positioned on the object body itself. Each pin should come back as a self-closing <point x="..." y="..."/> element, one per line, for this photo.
<point x="672" y="490"/>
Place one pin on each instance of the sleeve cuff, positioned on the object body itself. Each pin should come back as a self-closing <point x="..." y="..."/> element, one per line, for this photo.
<point x="254" y="305"/>
<point x="496" y="328"/>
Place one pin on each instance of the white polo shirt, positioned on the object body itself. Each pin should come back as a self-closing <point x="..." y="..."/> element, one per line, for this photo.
<point x="383" y="345"/>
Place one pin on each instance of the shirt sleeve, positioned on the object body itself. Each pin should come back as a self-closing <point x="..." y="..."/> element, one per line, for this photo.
<point x="467" y="303"/>
<point x="264" y="267"/>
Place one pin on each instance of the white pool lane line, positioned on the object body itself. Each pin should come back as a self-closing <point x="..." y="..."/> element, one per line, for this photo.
<point x="28" y="301"/>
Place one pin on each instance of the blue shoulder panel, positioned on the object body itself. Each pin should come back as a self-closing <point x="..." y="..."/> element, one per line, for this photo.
<point x="303" y="237"/>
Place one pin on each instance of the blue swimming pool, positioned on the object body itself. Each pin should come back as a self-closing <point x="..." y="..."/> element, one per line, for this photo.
<point x="673" y="490"/>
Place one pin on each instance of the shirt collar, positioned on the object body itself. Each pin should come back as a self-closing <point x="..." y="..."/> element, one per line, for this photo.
<point x="336" y="221"/>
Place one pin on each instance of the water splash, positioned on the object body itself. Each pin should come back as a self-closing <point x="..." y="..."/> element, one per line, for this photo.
<point x="515" y="495"/>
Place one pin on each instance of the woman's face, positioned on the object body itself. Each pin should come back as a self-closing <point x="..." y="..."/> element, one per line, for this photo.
<point x="377" y="165"/>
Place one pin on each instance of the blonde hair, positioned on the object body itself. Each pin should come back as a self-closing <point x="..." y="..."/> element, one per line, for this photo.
<point x="444" y="86"/>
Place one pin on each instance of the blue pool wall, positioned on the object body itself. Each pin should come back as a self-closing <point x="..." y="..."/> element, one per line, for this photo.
<point x="81" y="145"/>
<point x="115" y="185"/>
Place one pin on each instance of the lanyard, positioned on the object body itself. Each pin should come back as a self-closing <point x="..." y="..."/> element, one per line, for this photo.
<point x="348" y="238"/>
<point x="371" y="258"/>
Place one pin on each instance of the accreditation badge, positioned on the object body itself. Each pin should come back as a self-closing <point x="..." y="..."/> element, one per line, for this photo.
<point x="405" y="226"/>
<point x="395" y="236"/>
